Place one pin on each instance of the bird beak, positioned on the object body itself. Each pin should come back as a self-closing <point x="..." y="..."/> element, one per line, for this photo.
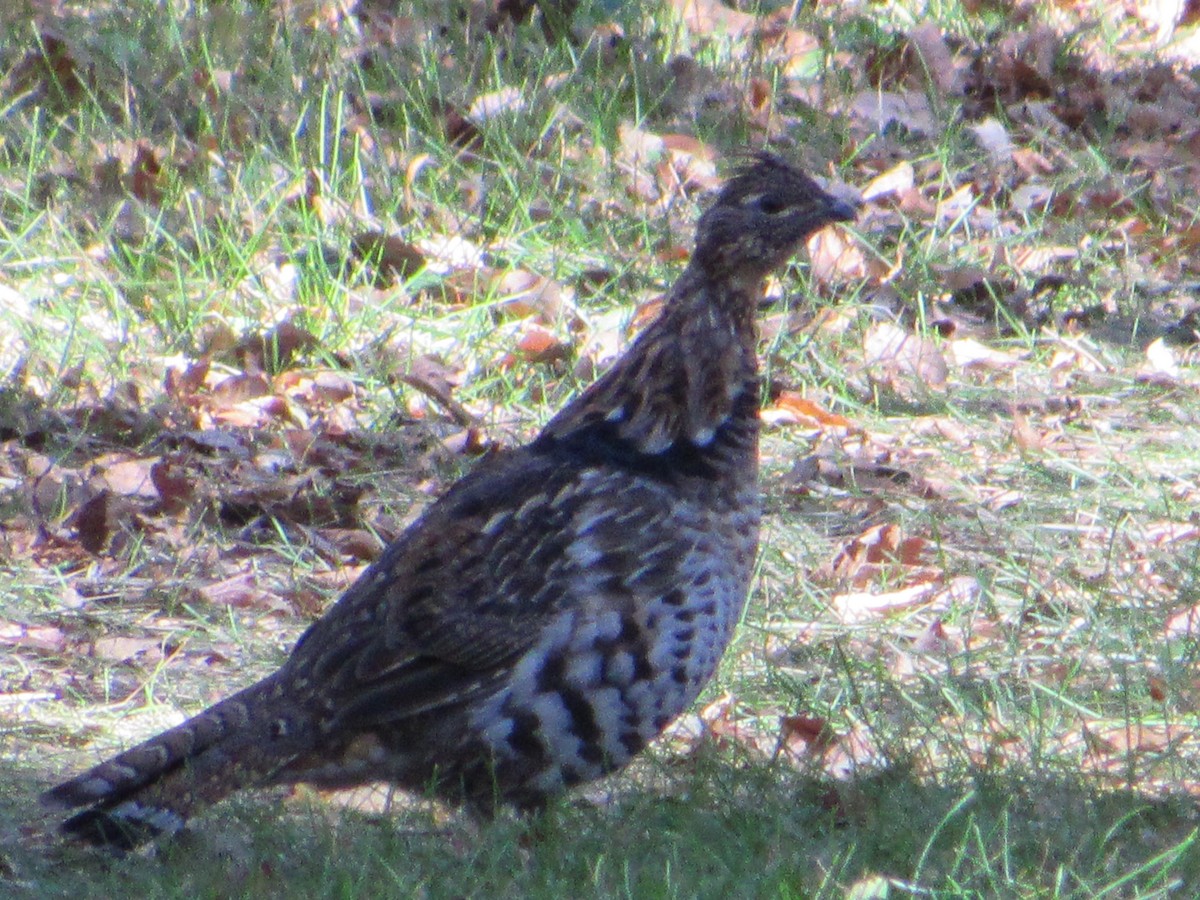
<point x="842" y="209"/>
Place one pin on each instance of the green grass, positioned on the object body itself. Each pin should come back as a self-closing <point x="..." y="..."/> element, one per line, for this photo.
<point x="1025" y="728"/>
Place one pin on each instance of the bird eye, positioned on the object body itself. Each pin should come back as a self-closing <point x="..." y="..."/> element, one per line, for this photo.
<point x="770" y="204"/>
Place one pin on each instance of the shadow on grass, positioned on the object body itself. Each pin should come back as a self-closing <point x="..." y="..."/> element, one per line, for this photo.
<point x="721" y="831"/>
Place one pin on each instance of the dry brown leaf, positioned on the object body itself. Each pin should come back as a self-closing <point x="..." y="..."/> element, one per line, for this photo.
<point x="1165" y="533"/>
<point x="1072" y="357"/>
<point x="895" y="181"/>
<point x="946" y="428"/>
<point x="803" y="735"/>
<point x="520" y="293"/>
<point x="1183" y="624"/>
<point x="1032" y="196"/>
<point x="123" y="649"/>
<point x="834" y="254"/>
<point x="879" y="109"/>
<point x="861" y="559"/>
<point x="1024" y="435"/>
<point x="689" y="165"/>
<point x="460" y="131"/>
<point x="914" y="204"/>
<point x="446" y="253"/>
<point x="238" y="388"/>
<point x="935" y="641"/>
<point x="239" y="591"/>
<point x="353" y="543"/>
<point x="639" y="147"/>
<point x="1156" y="686"/>
<point x="956" y="206"/>
<point x="993" y="137"/>
<point x="217" y="442"/>
<point x="644" y="314"/>
<point x="434" y="380"/>
<point x="394" y="258"/>
<point x="688" y="145"/>
<point x="709" y="17"/>
<point x="900" y="357"/>
<point x="128" y="477"/>
<point x="996" y="499"/>
<point x="258" y="412"/>
<point x="759" y="96"/>
<point x="1160" y="366"/>
<point x="45" y="638"/>
<point x="1164" y="16"/>
<point x="864" y="606"/>
<point x="939" y="64"/>
<point x="311" y="196"/>
<point x="1031" y="163"/>
<point x="968" y="352"/>
<point x="323" y="388"/>
<point x="173" y="483"/>
<point x="1118" y="746"/>
<point x="97" y="519"/>
<point x="276" y="349"/>
<point x="495" y="103"/>
<point x="851" y="752"/>
<point x="50" y="71"/>
<point x="790" y="408"/>
<point x="538" y="345"/>
<point x="793" y="44"/>
<point x="834" y="321"/>
<point x="144" y="175"/>
<point x="470" y="441"/>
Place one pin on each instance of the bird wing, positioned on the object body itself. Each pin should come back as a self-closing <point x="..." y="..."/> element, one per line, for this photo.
<point x="463" y="594"/>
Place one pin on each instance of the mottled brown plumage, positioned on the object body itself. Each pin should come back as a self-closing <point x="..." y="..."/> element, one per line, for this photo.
<point x="547" y="618"/>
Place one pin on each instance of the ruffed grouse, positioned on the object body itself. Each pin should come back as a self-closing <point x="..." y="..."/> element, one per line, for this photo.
<point x="547" y="618"/>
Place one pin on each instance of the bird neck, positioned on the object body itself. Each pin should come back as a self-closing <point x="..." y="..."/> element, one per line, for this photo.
<point x="688" y="379"/>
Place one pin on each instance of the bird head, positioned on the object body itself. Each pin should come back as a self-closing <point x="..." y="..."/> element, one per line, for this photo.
<point x="760" y="217"/>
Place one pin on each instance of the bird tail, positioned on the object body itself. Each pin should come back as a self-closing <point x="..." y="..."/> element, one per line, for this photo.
<point x="155" y="787"/>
